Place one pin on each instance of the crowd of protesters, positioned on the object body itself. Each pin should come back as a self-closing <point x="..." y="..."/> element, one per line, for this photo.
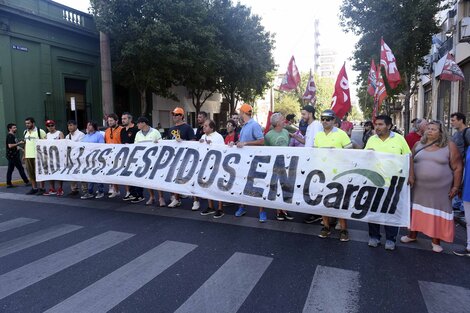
<point x="439" y="171"/>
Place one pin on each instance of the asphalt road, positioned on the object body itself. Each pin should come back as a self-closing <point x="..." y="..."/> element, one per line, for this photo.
<point x="72" y="255"/>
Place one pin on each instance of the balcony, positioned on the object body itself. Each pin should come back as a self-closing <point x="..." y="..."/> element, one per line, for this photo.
<point x="52" y="11"/>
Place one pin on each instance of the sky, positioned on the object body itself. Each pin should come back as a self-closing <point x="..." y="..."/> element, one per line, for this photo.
<point x="292" y="23"/>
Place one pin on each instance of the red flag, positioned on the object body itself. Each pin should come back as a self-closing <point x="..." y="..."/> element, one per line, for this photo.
<point x="387" y="59"/>
<point x="341" y="102"/>
<point x="310" y="90"/>
<point x="372" y="80"/>
<point x="451" y="70"/>
<point x="292" y="78"/>
<point x="268" y="123"/>
<point x="380" y="93"/>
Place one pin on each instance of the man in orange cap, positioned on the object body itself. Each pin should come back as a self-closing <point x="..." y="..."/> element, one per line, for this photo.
<point x="181" y="131"/>
<point x="251" y="134"/>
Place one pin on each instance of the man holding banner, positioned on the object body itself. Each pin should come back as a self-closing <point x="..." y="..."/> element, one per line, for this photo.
<point x="250" y="135"/>
<point x="332" y="137"/>
<point x="385" y="141"/>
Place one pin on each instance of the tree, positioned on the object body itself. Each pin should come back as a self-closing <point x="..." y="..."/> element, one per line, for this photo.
<point x="406" y="26"/>
<point x="248" y="66"/>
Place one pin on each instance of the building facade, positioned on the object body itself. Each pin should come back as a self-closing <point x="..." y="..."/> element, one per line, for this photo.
<point x="49" y="53"/>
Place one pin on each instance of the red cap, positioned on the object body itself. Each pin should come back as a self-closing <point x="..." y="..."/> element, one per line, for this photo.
<point x="50" y="123"/>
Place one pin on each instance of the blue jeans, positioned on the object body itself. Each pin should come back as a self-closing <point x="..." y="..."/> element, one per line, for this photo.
<point x="391" y="232"/>
<point x="91" y="186"/>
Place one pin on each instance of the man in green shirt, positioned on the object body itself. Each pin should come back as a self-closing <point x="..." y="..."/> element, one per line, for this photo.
<point x="31" y="135"/>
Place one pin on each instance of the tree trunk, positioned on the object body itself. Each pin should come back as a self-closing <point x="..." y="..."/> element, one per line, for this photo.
<point x="143" y="102"/>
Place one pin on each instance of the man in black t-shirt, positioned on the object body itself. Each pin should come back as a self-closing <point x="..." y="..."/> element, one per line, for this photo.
<point x="201" y="119"/>
<point x="128" y="132"/>
<point x="181" y="131"/>
<point x="13" y="155"/>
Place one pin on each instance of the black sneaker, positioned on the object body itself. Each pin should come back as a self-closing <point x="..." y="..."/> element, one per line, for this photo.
<point x="138" y="199"/>
<point x="288" y="217"/>
<point x="463" y="252"/>
<point x="218" y="214"/>
<point x="32" y="191"/>
<point x="41" y="191"/>
<point x="325" y="232"/>
<point x="11" y="186"/>
<point x="208" y="211"/>
<point x="129" y="198"/>
<point x="280" y="216"/>
<point x="312" y="219"/>
<point x="27" y="184"/>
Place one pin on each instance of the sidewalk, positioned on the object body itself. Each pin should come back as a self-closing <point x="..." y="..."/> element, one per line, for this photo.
<point x="15" y="179"/>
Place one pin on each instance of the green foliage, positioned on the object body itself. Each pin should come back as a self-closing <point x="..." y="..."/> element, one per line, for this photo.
<point x="356" y="114"/>
<point x="406" y="26"/>
<point x="204" y="45"/>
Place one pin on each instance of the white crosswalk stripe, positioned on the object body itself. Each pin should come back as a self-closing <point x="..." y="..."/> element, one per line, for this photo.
<point x="34" y="272"/>
<point x="17" y="222"/>
<point x="109" y="291"/>
<point x="333" y="290"/>
<point x="444" y="298"/>
<point x="226" y="290"/>
<point x="33" y="239"/>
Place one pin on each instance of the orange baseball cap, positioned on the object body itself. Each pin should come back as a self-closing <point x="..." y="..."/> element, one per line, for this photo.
<point x="246" y="108"/>
<point x="178" y="110"/>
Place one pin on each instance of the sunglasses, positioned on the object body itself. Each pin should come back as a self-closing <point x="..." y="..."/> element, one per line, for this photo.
<point x="437" y="122"/>
<point x="177" y="114"/>
<point x="328" y="119"/>
<point x="50" y="125"/>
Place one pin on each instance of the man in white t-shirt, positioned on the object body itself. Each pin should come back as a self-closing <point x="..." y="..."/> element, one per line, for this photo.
<point x="53" y="134"/>
<point x="308" y="115"/>
<point x="75" y="135"/>
<point x="313" y="128"/>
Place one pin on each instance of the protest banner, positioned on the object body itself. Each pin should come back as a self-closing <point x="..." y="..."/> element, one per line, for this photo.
<point x="353" y="184"/>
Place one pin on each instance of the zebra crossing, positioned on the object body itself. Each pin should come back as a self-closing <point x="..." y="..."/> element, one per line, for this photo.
<point x="225" y="290"/>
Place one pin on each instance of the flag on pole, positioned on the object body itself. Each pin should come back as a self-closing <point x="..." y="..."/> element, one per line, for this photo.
<point x="372" y="80"/>
<point x="341" y="102"/>
<point x="268" y="123"/>
<point x="292" y="78"/>
<point x="388" y="61"/>
<point x="310" y="90"/>
<point x="380" y="93"/>
<point x="451" y="70"/>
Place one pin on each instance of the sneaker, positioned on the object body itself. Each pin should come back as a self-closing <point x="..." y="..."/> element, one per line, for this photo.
<point x="325" y="232"/>
<point x="114" y="194"/>
<point x="389" y="245"/>
<point x="374" y="242"/>
<point x="196" y="206"/>
<point x="208" y="211"/>
<point x="280" y="216"/>
<point x="138" y="199"/>
<point x="60" y="192"/>
<point x="343" y="235"/>
<point x="406" y="239"/>
<point x="99" y="195"/>
<point x="50" y="192"/>
<point x="436" y="248"/>
<point x="463" y="252"/>
<point x="174" y="203"/>
<point x="11" y="186"/>
<point x="87" y="196"/>
<point x="287" y="216"/>
<point x="33" y="191"/>
<point x="150" y="201"/>
<point x="128" y="198"/>
<point x="312" y="219"/>
<point x="263" y="217"/>
<point x="27" y="184"/>
<point x="218" y="214"/>
<point x="240" y="212"/>
<point x="41" y="191"/>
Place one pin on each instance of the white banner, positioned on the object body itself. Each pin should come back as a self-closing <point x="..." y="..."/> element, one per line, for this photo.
<point x="352" y="184"/>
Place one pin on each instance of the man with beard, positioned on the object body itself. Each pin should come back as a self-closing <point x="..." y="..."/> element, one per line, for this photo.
<point x="31" y="135"/>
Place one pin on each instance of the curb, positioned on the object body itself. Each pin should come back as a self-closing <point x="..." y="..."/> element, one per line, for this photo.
<point x="14" y="182"/>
